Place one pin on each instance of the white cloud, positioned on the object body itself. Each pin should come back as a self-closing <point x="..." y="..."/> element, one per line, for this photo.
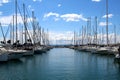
<point x="51" y="14"/>
<point x="29" y="6"/>
<point x="6" y="20"/>
<point x="66" y="17"/>
<point x="59" y="5"/>
<point x="56" y="19"/>
<point x="40" y="0"/>
<point x="37" y="0"/>
<point x="54" y="15"/>
<point x="34" y="0"/>
<point x="109" y="16"/>
<point x="73" y="17"/>
<point x="3" y="2"/>
<point x="96" y="0"/>
<point x="61" y="37"/>
<point x="104" y="24"/>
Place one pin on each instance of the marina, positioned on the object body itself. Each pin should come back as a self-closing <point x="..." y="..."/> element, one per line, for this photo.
<point x="41" y="41"/>
<point x="33" y="39"/>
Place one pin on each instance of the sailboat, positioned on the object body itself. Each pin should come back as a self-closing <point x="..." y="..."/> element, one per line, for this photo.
<point x="18" y="50"/>
<point x="40" y="38"/>
<point x="28" y="46"/>
<point x="3" y="51"/>
<point x="3" y="54"/>
<point x="15" y="53"/>
<point x="104" y="50"/>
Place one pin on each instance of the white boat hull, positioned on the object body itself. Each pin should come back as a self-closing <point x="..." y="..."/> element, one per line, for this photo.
<point x="15" y="54"/>
<point x="28" y="53"/>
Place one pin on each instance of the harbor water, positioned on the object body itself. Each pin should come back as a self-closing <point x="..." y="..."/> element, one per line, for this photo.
<point x="61" y="64"/>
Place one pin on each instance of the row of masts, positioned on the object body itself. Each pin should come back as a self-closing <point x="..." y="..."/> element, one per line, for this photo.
<point x="94" y="35"/>
<point x="35" y="35"/>
<point x="87" y="32"/>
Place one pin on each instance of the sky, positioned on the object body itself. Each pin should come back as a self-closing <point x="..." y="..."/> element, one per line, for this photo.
<point x="63" y="17"/>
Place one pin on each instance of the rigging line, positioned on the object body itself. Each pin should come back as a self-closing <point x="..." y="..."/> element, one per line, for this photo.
<point x="29" y="19"/>
<point x="22" y="17"/>
<point x="28" y="14"/>
<point x="2" y="32"/>
<point x="23" y="21"/>
<point x="29" y="35"/>
<point x="20" y="13"/>
<point x="7" y="30"/>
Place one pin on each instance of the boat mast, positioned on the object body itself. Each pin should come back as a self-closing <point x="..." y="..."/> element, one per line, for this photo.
<point x="114" y="34"/>
<point x="96" y="30"/>
<point x="47" y="37"/>
<point x="43" y="37"/>
<point x="89" y="31"/>
<point x="107" y="22"/>
<point x="33" y="20"/>
<point x="13" y="29"/>
<point x="22" y="34"/>
<point x="16" y="19"/>
<point x="74" y="38"/>
<point x="10" y="32"/>
<point x="82" y="35"/>
<point x="79" y="40"/>
<point x="40" y="34"/>
<point x="102" y="33"/>
<point x="25" y="23"/>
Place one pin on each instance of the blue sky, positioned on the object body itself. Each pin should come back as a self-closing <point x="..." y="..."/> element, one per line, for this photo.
<point x="59" y="16"/>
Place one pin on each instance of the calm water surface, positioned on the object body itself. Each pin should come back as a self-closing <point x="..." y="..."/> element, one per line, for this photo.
<point x="61" y="64"/>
